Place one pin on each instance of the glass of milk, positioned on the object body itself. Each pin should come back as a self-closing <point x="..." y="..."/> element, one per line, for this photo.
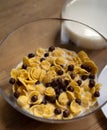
<point x="90" y="30"/>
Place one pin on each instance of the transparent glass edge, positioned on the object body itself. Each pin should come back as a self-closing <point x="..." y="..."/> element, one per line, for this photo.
<point x="44" y="119"/>
<point x="26" y="113"/>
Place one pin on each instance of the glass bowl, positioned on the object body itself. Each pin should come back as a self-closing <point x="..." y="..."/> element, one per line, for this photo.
<point x="26" y="39"/>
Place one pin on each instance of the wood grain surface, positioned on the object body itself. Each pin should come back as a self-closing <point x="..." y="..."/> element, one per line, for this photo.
<point x="14" y="13"/>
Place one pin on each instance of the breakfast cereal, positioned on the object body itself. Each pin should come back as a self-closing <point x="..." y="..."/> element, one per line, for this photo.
<point x="55" y="83"/>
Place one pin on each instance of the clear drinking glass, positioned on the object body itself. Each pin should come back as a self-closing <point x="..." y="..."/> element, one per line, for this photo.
<point x="89" y="12"/>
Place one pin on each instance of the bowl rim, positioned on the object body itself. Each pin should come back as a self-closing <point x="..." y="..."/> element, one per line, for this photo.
<point x="53" y="19"/>
<point x="46" y="120"/>
<point x="56" y="121"/>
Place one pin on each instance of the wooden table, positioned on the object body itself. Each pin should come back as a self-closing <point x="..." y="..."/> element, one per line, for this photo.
<point x="14" y="13"/>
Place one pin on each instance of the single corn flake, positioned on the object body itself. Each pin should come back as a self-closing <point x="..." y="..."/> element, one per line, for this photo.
<point x="23" y="101"/>
<point x="60" y="105"/>
<point x="14" y="73"/>
<point x="60" y="61"/>
<point x="38" y="95"/>
<point x="83" y="56"/>
<point x="71" y="95"/>
<point x="34" y="73"/>
<point x="58" y="52"/>
<point x="63" y="98"/>
<point x="40" y="52"/>
<point x="40" y="88"/>
<point x="45" y="65"/>
<point x="75" y="108"/>
<point x="49" y="91"/>
<point x="49" y="76"/>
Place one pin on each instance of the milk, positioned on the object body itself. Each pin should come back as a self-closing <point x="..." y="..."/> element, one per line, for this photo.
<point x="91" y="13"/>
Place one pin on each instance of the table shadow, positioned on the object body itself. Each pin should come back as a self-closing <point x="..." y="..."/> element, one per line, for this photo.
<point x="101" y="121"/>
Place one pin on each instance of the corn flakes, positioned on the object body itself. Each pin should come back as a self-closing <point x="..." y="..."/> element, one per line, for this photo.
<point x="45" y="65"/>
<point x="63" y="98"/>
<point x="58" y="52"/>
<point x="55" y="83"/>
<point x="40" y="88"/>
<point x="60" y="61"/>
<point x="34" y="73"/>
<point x="23" y="101"/>
<point x="49" y="91"/>
<point x="38" y="100"/>
<point x="75" y="108"/>
<point x="60" y="105"/>
<point x="40" y="52"/>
